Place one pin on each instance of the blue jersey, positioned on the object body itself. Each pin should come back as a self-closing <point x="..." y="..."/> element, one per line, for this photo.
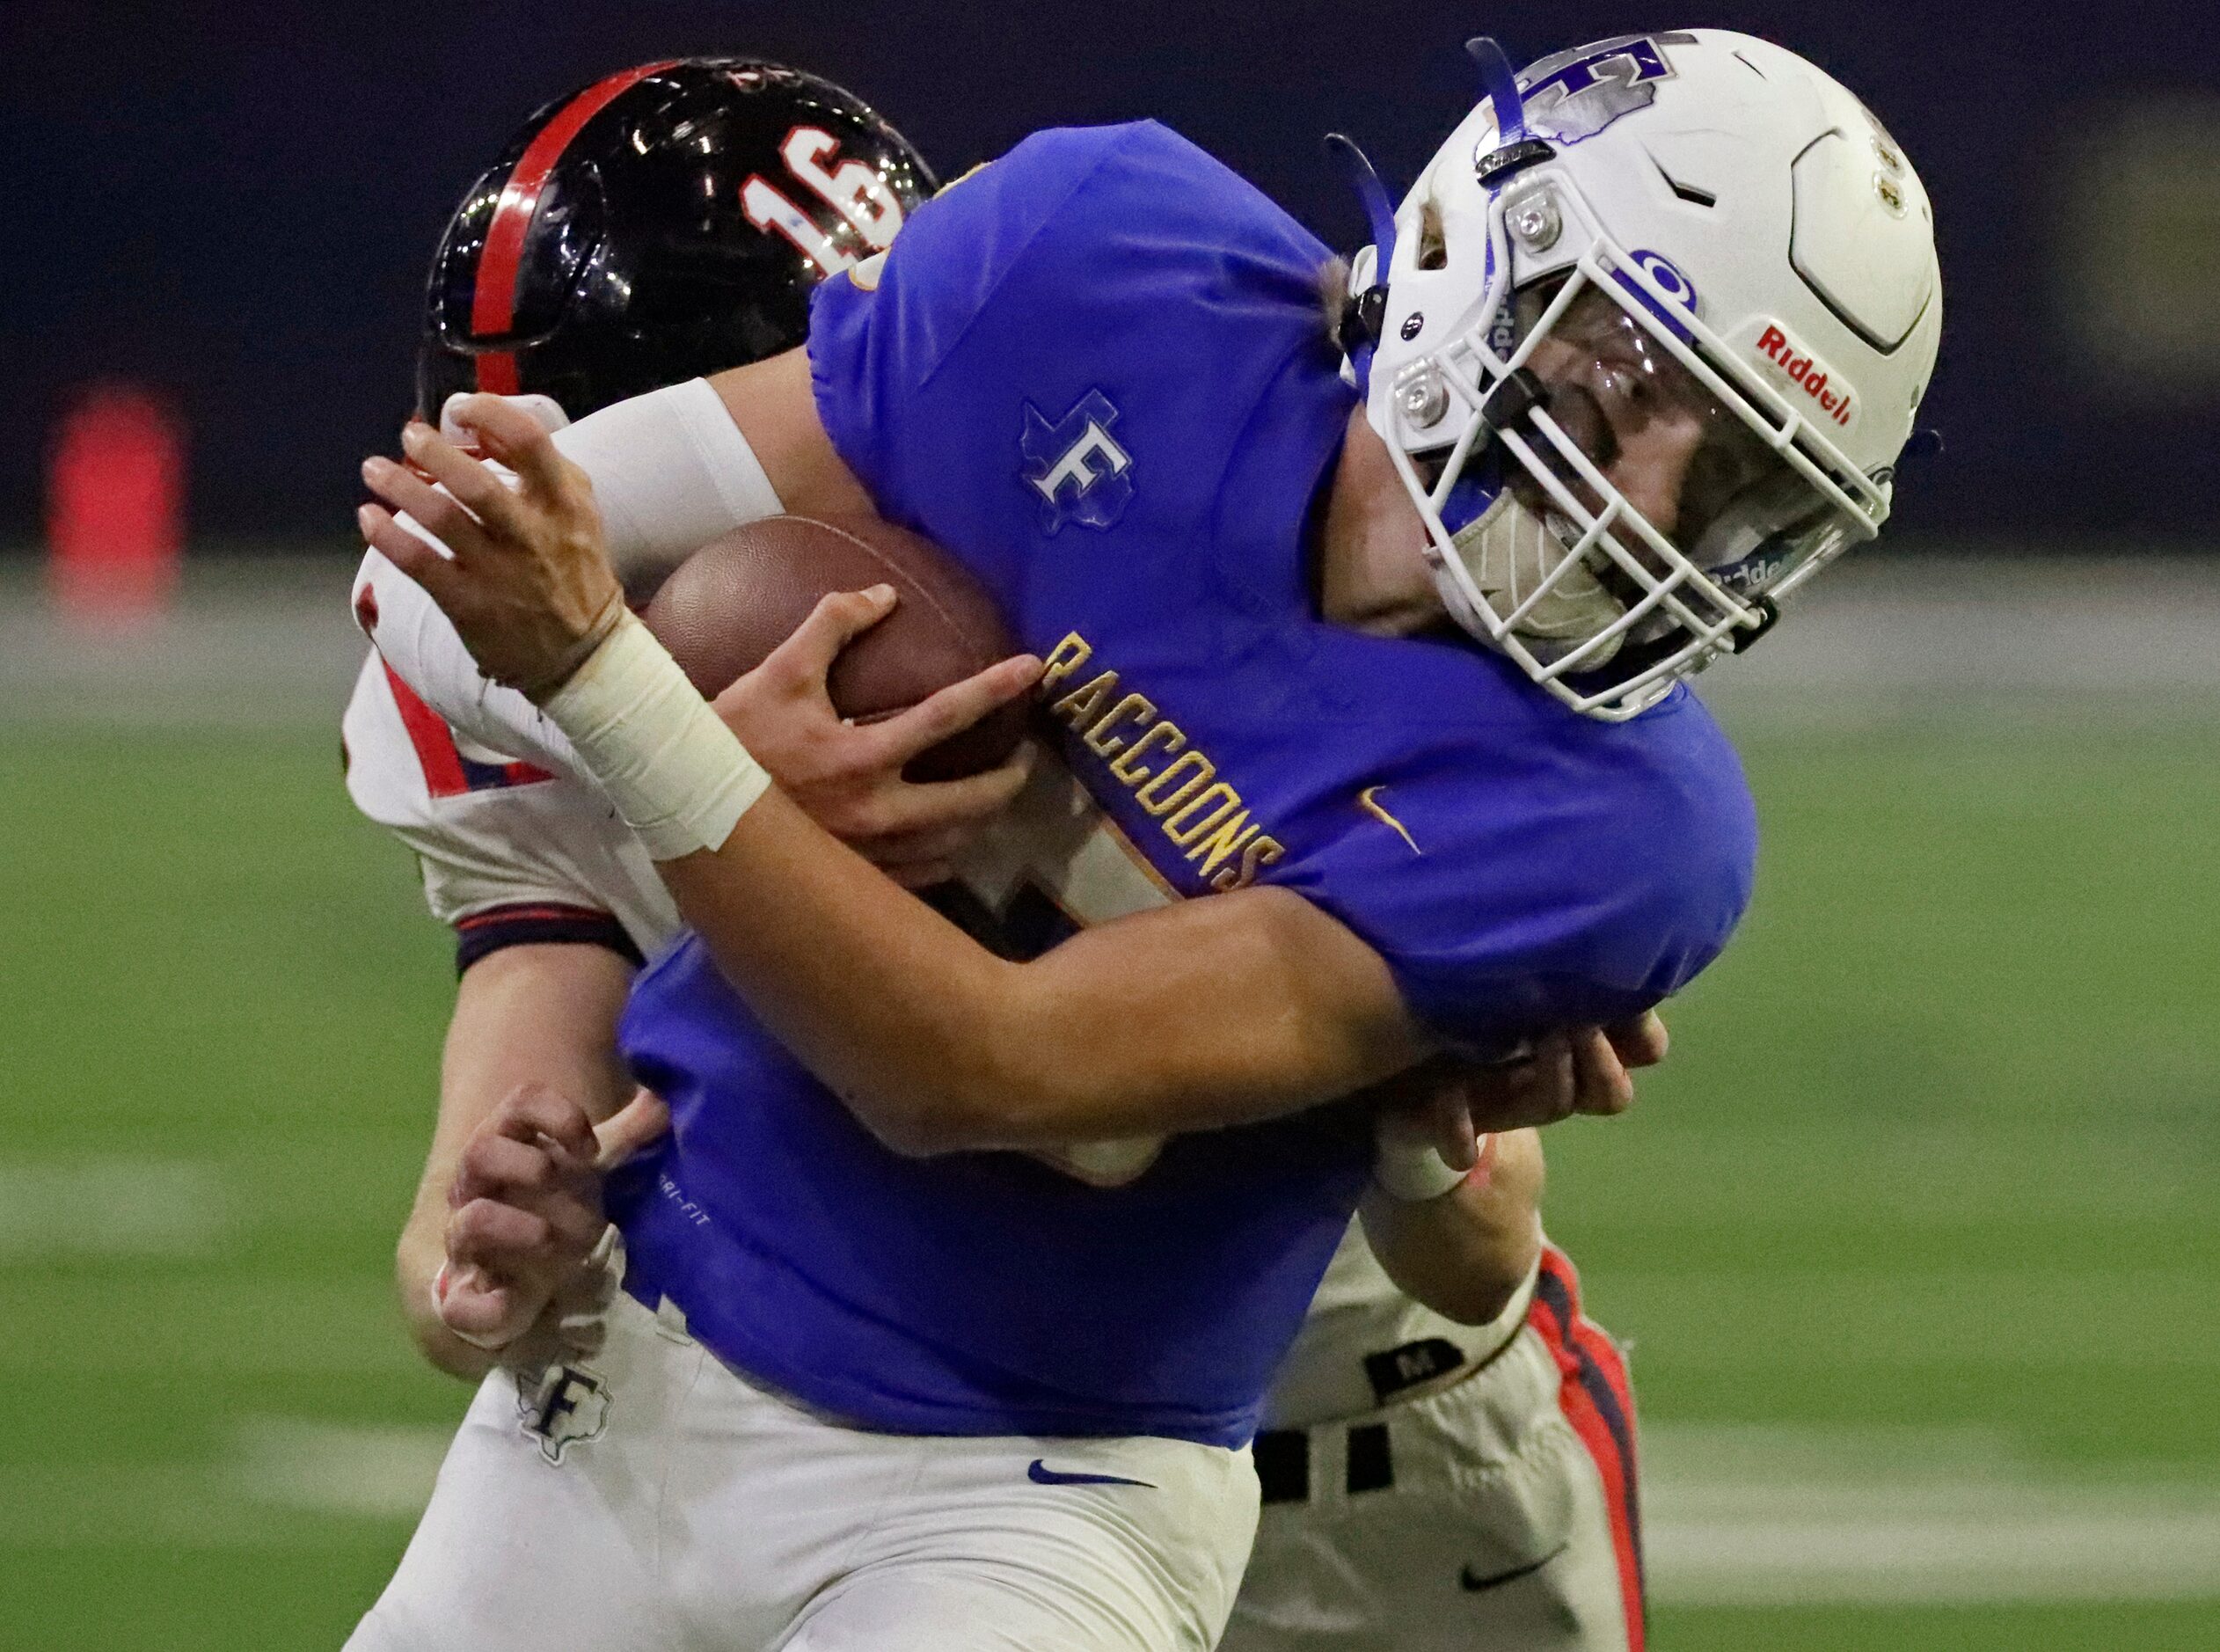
<point x="1097" y="372"/>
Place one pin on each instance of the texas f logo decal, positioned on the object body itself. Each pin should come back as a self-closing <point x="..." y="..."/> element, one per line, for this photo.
<point x="568" y="1403"/>
<point x="1077" y="466"/>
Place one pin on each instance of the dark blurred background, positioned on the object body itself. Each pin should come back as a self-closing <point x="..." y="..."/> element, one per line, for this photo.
<point x="235" y="203"/>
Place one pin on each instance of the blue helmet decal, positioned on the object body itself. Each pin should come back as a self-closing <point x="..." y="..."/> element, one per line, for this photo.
<point x="1574" y="95"/>
<point x="1669" y="280"/>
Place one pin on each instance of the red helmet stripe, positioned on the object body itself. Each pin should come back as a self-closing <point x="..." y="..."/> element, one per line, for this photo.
<point x="493" y="298"/>
<point x="497" y="372"/>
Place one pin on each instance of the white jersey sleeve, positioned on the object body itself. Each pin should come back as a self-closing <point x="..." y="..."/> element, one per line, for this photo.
<point x="672" y="473"/>
<point x="510" y="851"/>
<point x="421" y="646"/>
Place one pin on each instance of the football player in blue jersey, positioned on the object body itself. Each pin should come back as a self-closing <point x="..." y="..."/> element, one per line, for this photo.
<point x="554" y="907"/>
<point x="1599" y="435"/>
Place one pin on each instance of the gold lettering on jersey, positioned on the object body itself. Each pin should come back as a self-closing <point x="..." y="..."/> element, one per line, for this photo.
<point x="1200" y="813"/>
<point x="1083" y="704"/>
<point x="1162" y="736"/>
<point x="1190" y="769"/>
<point x="1222" y="837"/>
<point x="1261" y="851"/>
<point x="1065" y="658"/>
<point x="1136" y="708"/>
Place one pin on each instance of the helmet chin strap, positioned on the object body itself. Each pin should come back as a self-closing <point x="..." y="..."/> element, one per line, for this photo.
<point x="1506" y="552"/>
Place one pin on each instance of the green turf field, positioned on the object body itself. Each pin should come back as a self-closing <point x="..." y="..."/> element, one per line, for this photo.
<point x="1914" y="1235"/>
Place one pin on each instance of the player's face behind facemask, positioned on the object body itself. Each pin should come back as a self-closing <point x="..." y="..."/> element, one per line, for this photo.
<point x="1627" y="438"/>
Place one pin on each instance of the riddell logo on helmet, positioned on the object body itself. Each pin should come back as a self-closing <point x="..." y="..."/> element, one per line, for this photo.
<point x="1807" y="374"/>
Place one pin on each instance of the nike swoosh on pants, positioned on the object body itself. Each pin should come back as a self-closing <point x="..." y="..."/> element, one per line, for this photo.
<point x="1476" y="1585"/>
<point x="1040" y="1474"/>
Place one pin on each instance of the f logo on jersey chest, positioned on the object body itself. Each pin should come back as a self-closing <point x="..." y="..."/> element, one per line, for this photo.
<point x="1075" y="466"/>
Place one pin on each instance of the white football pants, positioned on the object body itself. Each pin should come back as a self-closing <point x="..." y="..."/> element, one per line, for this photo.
<point x="1496" y="1516"/>
<point x="651" y="1498"/>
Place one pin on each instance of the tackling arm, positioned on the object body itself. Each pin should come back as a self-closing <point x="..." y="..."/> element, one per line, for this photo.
<point x="415" y="639"/>
<point x="1201" y="1014"/>
<point x="1207" y="1013"/>
<point x="1465" y="1255"/>
<point x="532" y="1014"/>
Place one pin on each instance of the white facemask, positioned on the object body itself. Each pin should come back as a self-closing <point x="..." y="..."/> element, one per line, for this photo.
<point x="1509" y="551"/>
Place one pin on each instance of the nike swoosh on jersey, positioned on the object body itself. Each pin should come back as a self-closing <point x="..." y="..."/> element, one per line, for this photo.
<point x="1040" y="1474"/>
<point x="1369" y="800"/>
<point x="1480" y="1585"/>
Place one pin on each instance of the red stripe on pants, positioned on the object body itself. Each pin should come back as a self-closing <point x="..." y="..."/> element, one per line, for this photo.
<point x="1587" y="1357"/>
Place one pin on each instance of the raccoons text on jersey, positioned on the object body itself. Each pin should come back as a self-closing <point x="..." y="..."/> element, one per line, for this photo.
<point x="1175" y="784"/>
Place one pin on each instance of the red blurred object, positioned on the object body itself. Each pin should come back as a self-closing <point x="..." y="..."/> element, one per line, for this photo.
<point x="115" y="503"/>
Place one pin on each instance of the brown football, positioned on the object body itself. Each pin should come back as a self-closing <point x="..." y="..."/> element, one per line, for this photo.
<point x="725" y="608"/>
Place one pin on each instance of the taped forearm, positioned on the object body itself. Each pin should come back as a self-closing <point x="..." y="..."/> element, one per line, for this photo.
<point x="678" y="777"/>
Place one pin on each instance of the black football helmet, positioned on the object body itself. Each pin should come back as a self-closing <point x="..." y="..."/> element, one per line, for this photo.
<point x="666" y="221"/>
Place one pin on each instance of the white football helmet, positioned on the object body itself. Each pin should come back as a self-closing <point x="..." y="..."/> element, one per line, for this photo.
<point x="1691" y="237"/>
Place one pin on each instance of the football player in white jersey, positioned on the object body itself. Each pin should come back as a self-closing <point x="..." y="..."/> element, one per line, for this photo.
<point x="553" y="906"/>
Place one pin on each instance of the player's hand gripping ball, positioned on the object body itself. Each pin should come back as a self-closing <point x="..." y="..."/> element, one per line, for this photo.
<point x="867" y="671"/>
<point x="727" y="610"/>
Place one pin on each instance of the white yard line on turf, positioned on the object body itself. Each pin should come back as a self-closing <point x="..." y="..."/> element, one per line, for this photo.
<point x="268" y="641"/>
<point x="1732" y="1516"/>
<point x="1736" y="1517"/>
<point x="377" y="1472"/>
<point x="2118" y="642"/>
<point x="2069" y="1553"/>
<point x="110" y="1207"/>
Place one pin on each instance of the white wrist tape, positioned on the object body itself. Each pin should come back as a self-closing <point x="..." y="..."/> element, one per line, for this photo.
<point x="1416" y="1173"/>
<point x="671" y="473"/>
<point x="1412" y="1175"/>
<point x="677" y="776"/>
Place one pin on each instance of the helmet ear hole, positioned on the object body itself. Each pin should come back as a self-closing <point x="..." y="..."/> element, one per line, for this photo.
<point x="1434" y="245"/>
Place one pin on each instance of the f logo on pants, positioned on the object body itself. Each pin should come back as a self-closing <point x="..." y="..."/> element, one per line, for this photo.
<point x="568" y="1403"/>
